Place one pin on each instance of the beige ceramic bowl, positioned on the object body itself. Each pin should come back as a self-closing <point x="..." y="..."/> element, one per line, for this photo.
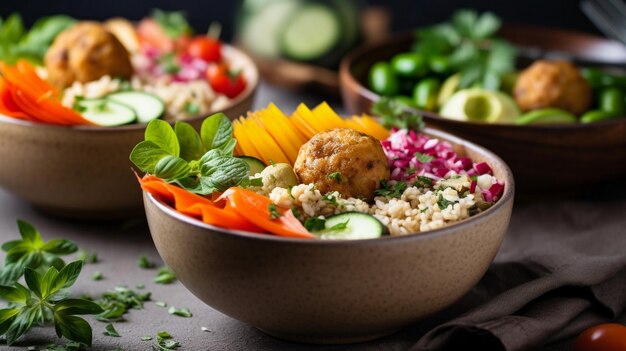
<point x="84" y="172"/>
<point x="333" y="291"/>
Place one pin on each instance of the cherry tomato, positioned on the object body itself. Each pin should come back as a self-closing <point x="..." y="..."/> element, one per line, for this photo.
<point x="603" y="337"/>
<point x="206" y="48"/>
<point x="226" y="82"/>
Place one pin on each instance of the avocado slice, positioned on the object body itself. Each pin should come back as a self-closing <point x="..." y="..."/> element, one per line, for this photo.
<point x="480" y="105"/>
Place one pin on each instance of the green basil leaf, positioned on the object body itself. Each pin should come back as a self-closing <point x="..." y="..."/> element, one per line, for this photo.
<point x="10" y="244"/>
<point x="191" y="184"/>
<point x="109" y="330"/>
<point x="12" y="30"/>
<point x="464" y="22"/>
<point x="15" y="294"/>
<point x="487" y="25"/>
<point x="216" y="131"/>
<point x="229" y="147"/>
<point x="162" y="134"/>
<point x="191" y="147"/>
<point x="29" y="234"/>
<point x="146" y="154"/>
<point x="22" y="323"/>
<point x="67" y="276"/>
<point x="47" y="282"/>
<point x="173" y="23"/>
<point x="74" y="328"/>
<point x="43" y="32"/>
<point x="60" y="247"/>
<point x="223" y="172"/>
<point x="7" y="316"/>
<point x="33" y="281"/>
<point x="77" y="306"/>
<point x="171" y="167"/>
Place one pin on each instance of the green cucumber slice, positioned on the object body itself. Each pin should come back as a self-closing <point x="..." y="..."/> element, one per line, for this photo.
<point x="546" y="116"/>
<point x="312" y="32"/>
<point x="147" y="106"/>
<point x="256" y="165"/>
<point x="106" y="113"/>
<point x="351" y="226"/>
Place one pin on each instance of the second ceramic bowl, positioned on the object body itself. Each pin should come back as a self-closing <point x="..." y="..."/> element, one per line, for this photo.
<point x="84" y="172"/>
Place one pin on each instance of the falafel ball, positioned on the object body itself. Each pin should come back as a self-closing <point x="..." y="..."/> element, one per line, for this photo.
<point x="343" y="160"/>
<point x="85" y="52"/>
<point x="552" y="84"/>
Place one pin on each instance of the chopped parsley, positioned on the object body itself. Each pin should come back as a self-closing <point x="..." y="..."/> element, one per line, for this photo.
<point x="411" y="171"/>
<point x="164" y="276"/>
<point x="335" y="176"/>
<point x="289" y="192"/>
<point x="109" y="330"/>
<point x="443" y="203"/>
<point x="296" y="212"/>
<point x="315" y="224"/>
<point x="389" y="190"/>
<point x="423" y="158"/>
<point x="161" y="304"/>
<point x="181" y="312"/>
<point x="274" y="214"/>
<point x="331" y="199"/>
<point x="97" y="276"/>
<point x="424" y="181"/>
<point x="144" y="263"/>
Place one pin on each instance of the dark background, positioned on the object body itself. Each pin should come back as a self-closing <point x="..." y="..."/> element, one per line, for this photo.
<point x="407" y="14"/>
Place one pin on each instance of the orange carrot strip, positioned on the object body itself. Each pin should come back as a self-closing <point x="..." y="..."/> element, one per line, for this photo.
<point x="255" y="208"/>
<point x="7" y="105"/>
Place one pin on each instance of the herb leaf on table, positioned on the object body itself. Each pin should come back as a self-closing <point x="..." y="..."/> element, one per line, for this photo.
<point x="43" y="299"/>
<point x="31" y="251"/>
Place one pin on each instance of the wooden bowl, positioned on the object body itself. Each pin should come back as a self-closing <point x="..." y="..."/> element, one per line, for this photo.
<point x="331" y="292"/>
<point x="84" y="172"/>
<point x="542" y="157"/>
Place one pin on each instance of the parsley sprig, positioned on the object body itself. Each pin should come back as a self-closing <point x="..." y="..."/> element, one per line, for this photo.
<point x="394" y="113"/>
<point x="31" y="251"/>
<point x="45" y="299"/>
<point x="470" y="40"/>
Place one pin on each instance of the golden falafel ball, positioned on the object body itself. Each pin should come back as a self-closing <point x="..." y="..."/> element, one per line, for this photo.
<point x="552" y="84"/>
<point x="85" y="52"/>
<point x="343" y="160"/>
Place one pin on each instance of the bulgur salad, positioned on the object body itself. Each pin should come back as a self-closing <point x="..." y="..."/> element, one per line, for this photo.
<point x="117" y="72"/>
<point x="323" y="177"/>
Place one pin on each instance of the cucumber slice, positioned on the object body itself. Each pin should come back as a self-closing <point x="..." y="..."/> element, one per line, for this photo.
<point x="260" y="30"/>
<point x="312" y="32"/>
<point x="351" y="226"/>
<point x="106" y="113"/>
<point x="256" y="165"/>
<point x="546" y="116"/>
<point x="147" y="106"/>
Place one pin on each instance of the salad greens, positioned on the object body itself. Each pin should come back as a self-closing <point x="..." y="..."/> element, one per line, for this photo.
<point x="201" y="163"/>
<point x="16" y="42"/>
<point x="395" y="113"/>
<point x="173" y="23"/>
<point x="31" y="251"/>
<point x="474" y="50"/>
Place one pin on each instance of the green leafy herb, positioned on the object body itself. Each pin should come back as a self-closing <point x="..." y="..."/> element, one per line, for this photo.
<point x="173" y="23"/>
<point x="45" y="299"/>
<point x="251" y="182"/>
<point x="31" y="251"/>
<point x="339" y="226"/>
<point x="315" y="224"/>
<point x="443" y="203"/>
<point x="88" y="257"/>
<point x="289" y="192"/>
<point x="165" y="342"/>
<point x="109" y="330"/>
<point x="388" y="189"/>
<point x="470" y="41"/>
<point x="296" y="212"/>
<point x="411" y="171"/>
<point x="201" y="163"/>
<point x="16" y="42"/>
<point x="165" y="276"/>
<point x="140" y="286"/>
<point x="423" y="158"/>
<point x="181" y="312"/>
<point x="331" y="199"/>
<point x="274" y="214"/>
<point x="118" y="301"/>
<point x="163" y="335"/>
<point x="97" y="275"/>
<point x="335" y="176"/>
<point x="146" y="338"/>
<point x="394" y="113"/>
<point x="424" y="181"/>
<point x="161" y="304"/>
<point x="144" y="262"/>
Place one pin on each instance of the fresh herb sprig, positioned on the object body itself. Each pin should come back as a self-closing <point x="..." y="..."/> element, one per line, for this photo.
<point x="165" y="276"/>
<point x="394" y="113"/>
<point x="31" y="251"/>
<point x="388" y="189"/>
<point x="201" y="163"/>
<point x="118" y="301"/>
<point x="43" y="299"/>
<point x="469" y="39"/>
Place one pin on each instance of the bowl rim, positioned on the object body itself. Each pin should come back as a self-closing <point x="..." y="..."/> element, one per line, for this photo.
<point x="349" y="82"/>
<point x="229" y="50"/>
<point x="507" y="196"/>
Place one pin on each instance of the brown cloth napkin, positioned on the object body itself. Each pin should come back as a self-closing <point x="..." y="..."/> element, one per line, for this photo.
<point x="561" y="269"/>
